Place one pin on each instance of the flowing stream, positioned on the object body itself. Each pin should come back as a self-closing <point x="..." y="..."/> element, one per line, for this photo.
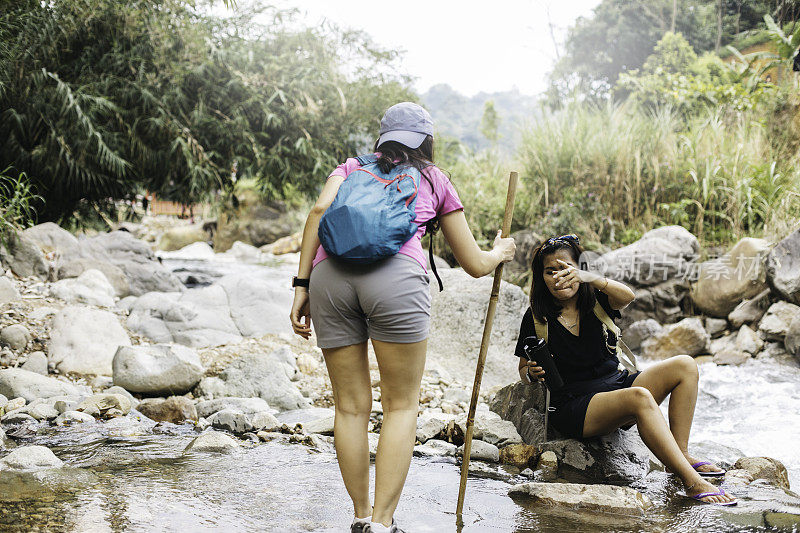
<point x="142" y="481"/>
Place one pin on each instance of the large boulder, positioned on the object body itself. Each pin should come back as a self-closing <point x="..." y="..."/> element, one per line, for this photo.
<point x="663" y="302"/>
<point x="263" y="376"/>
<point x="52" y="238"/>
<point x="620" y="457"/>
<point x="722" y="283"/>
<point x="177" y="237"/>
<point x="490" y="427"/>
<point x="22" y="255"/>
<point x="84" y="340"/>
<point x="685" y="337"/>
<point x="600" y="499"/>
<point x="91" y="288"/>
<point x="257" y="306"/>
<point x="457" y="318"/>
<point x="638" y="332"/>
<point x="15" y="383"/>
<point x="792" y="339"/>
<point x="774" y="325"/>
<point x="783" y="264"/>
<point x="253" y="222"/>
<point x="158" y="369"/>
<point x="198" y="318"/>
<point x="661" y="254"/>
<point x="135" y="258"/>
<point x="73" y="268"/>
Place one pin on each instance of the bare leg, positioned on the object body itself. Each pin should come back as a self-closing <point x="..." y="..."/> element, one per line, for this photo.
<point x="401" y="366"/>
<point x="610" y="410"/>
<point x="348" y="368"/>
<point x="676" y="377"/>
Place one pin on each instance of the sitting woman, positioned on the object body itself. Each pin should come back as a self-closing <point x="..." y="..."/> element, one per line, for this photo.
<point x="597" y="397"/>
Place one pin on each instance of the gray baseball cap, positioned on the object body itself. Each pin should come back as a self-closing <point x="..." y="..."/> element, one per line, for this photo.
<point x="407" y="123"/>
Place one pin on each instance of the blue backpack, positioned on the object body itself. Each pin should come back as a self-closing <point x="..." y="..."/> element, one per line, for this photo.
<point x="373" y="213"/>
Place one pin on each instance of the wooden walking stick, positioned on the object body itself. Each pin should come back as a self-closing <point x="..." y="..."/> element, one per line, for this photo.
<point x="487" y="331"/>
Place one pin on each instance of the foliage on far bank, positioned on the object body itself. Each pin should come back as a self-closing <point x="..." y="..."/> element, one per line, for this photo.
<point x="102" y="99"/>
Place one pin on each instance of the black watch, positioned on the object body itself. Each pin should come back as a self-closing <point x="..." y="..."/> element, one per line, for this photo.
<point x="300" y="282"/>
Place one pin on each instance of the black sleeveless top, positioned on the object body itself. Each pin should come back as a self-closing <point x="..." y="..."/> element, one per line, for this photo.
<point x="578" y="358"/>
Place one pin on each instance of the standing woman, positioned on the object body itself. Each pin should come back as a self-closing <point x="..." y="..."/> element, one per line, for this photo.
<point x="387" y="301"/>
<point x="597" y="397"/>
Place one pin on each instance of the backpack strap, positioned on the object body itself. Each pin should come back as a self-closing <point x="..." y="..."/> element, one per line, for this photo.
<point x="366" y="159"/>
<point x="428" y="225"/>
<point x="624" y="354"/>
<point x="540" y="327"/>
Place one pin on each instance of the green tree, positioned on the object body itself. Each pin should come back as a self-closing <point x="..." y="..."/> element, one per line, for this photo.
<point x="490" y="122"/>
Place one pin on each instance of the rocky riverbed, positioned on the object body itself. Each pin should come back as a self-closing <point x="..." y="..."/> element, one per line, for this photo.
<point x="144" y="390"/>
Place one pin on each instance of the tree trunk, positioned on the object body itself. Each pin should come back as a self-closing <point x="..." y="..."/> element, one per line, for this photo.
<point x="674" y="15"/>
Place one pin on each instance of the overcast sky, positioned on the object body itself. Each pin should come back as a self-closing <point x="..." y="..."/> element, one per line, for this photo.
<point x="474" y="46"/>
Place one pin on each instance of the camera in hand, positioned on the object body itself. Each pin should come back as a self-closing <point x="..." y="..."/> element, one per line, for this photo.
<point x="536" y="350"/>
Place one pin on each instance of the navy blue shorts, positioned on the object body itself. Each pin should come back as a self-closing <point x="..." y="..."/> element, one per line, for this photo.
<point x="571" y="402"/>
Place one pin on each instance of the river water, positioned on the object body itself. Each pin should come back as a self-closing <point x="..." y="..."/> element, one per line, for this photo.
<point x="138" y="479"/>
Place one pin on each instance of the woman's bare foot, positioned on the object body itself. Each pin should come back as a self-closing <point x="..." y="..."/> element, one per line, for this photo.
<point x="702" y="486"/>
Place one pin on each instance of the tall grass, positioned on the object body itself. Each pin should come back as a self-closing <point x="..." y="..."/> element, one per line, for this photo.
<point x="722" y="175"/>
<point x="16" y="204"/>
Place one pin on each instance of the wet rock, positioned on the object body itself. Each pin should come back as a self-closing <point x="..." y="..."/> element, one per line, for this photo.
<point x="591" y="498"/>
<point x="782" y="521"/>
<point x="738" y="477"/>
<point x="685" y="337"/>
<point x="99" y="405"/>
<point x="430" y="424"/>
<point x="547" y="467"/>
<point x="84" y="340"/>
<point x="15" y="336"/>
<point x="5" y="442"/>
<point x="213" y="441"/>
<point x="783" y="264"/>
<point x="522" y="404"/>
<point x="639" y="331"/>
<point x="69" y="418"/>
<point x="457" y="316"/>
<point x="660" y="255"/>
<point x="435" y="448"/>
<point x="31" y="457"/>
<point x="17" y="417"/>
<point x="520" y="455"/>
<point x="775" y="323"/>
<point x="257" y="305"/>
<point x="481" y="451"/>
<point x="247" y="406"/>
<point x="714" y="326"/>
<point x="16" y="382"/>
<point x="257" y="375"/>
<point x="620" y="457"/>
<point x="765" y="468"/>
<point x="231" y="420"/>
<point x="265" y="421"/>
<point x="74" y="268"/>
<point x="750" y="311"/>
<point x="40" y="409"/>
<point x="91" y="288"/>
<point x="36" y="362"/>
<point x="178" y="237"/>
<point x="131" y="425"/>
<point x="731" y="357"/>
<point x="157" y="369"/>
<point x="175" y="409"/>
<point x="723" y="282"/>
<point x="792" y="340"/>
<point x="8" y="291"/>
<point x="21" y="254"/>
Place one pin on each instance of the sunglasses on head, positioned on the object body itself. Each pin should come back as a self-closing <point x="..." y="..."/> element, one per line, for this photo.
<point x="551" y="242"/>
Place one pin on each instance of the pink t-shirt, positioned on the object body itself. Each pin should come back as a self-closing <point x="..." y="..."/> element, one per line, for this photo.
<point x="429" y="205"/>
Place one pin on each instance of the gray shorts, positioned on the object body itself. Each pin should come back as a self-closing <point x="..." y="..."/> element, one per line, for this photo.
<point x="388" y="300"/>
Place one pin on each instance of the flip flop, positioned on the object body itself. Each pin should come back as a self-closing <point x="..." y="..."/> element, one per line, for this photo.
<point x="707" y="474"/>
<point x="699" y="498"/>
